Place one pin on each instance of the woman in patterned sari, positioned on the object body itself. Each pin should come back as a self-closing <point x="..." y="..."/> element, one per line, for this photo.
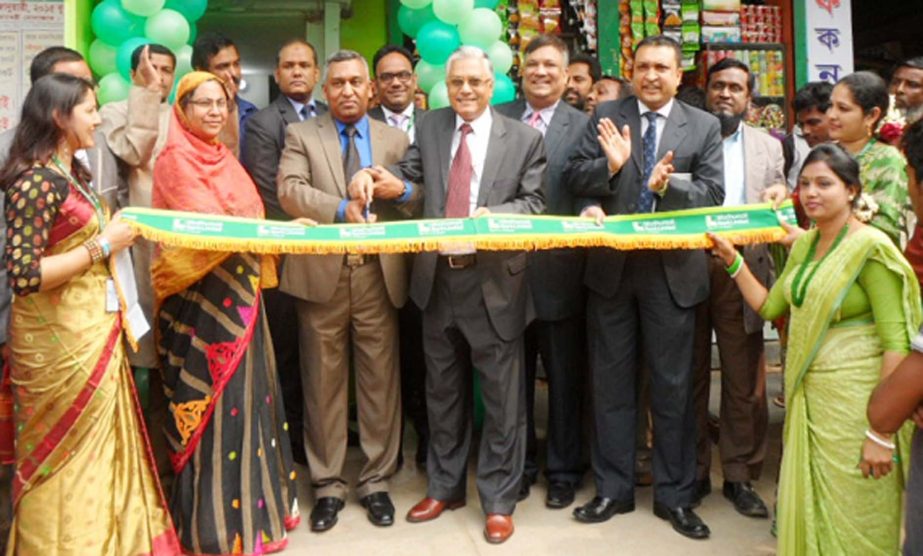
<point x="854" y="304"/>
<point x="84" y="481"/>
<point x="234" y="491"/>
<point x="858" y="103"/>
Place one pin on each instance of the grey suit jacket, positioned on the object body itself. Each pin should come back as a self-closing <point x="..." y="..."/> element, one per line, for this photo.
<point x="512" y="183"/>
<point x="265" y="132"/>
<point x="694" y="137"/>
<point x="312" y="183"/>
<point x="556" y="276"/>
<point x="763" y="167"/>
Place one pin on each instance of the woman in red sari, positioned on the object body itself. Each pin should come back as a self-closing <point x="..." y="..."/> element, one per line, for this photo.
<point x="85" y="481"/>
<point x="234" y="491"/>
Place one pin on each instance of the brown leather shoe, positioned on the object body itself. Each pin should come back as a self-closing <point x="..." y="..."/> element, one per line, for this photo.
<point x="430" y="508"/>
<point x="498" y="528"/>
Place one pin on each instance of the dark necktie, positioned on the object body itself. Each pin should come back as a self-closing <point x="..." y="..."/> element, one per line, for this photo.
<point x="457" y="203"/>
<point x="649" y="145"/>
<point x="351" y="162"/>
<point x="305" y="112"/>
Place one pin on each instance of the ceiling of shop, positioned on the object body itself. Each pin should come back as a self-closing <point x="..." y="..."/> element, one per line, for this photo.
<point x="307" y="7"/>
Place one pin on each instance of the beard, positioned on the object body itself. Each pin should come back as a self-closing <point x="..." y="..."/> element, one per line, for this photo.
<point x="913" y="114"/>
<point x="729" y="122"/>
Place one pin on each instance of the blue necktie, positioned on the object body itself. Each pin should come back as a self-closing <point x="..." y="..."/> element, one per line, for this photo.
<point x="649" y="144"/>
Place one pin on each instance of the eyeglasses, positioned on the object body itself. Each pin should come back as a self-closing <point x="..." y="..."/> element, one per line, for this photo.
<point x="205" y="104"/>
<point x="474" y="82"/>
<point x="402" y="76"/>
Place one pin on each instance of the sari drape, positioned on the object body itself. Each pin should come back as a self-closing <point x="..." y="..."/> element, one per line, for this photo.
<point x="85" y="481"/>
<point x="825" y="505"/>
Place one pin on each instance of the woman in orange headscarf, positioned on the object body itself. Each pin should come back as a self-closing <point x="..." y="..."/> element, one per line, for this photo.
<point x="234" y="490"/>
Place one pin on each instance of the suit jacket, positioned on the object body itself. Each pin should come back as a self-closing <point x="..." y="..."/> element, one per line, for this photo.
<point x="556" y="276"/>
<point x="694" y="137"/>
<point x="512" y="183"/>
<point x="763" y="166"/>
<point x="378" y="114"/>
<point x="263" y="148"/>
<point x="312" y="183"/>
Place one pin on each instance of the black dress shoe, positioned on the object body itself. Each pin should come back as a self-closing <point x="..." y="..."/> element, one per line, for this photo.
<point x="324" y="514"/>
<point x="600" y="509"/>
<point x="684" y="521"/>
<point x="746" y="500"/>
<point x="525" y="487"/>
<point x="379" y="507"/>
<point x="560" y="495"/>
<point x="701" y="489"/>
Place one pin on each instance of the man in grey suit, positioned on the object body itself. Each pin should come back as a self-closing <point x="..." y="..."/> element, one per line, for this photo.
<point x="753" y="172"/>
<point x="555" y="278"/>
<point x="639" y="155"/>
<point x="296" y="74"/>
<point x="471" y="161"/>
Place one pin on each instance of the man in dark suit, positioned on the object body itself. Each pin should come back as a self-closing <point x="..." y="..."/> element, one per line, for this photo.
<point x="555" y="278"/>
<point x="471" y="161"/>
<point x="395" y="83"/>
<point x="639" y="155"/>
<point x="296" y="75"/>
<point x="753" y="173"/>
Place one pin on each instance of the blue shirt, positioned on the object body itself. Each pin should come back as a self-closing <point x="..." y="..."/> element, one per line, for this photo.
<point x="364" y="146"/>
<point x="298" y="106"/>
<point x="245" y="109"/>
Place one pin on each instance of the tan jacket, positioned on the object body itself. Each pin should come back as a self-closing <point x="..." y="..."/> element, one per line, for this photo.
<point x="311" y="184"/>
<point x="136" y="130"/>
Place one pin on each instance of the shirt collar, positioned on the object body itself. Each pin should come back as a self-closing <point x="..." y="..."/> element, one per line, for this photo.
<point x="736" y="136"/>
<point x="362" y="127"/>
<point x="407" y="113"/>
<point x="480" y="125"/>
<point x="546" y="112"/>
<point x="663" y="110"/>
<point x="312" y="106"/>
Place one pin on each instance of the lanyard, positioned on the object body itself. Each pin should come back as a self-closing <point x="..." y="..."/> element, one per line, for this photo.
<point x="85" y="192"/>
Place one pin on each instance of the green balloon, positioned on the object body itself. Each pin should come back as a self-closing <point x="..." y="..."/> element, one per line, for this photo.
<point x="193" y="10"/>
<point x="410" y="21"/>
<point x="501" y="56"/>
<point x="193" y="33"/>
<point x="438" y="96"/>
<point x="436" y="41"/>
<point x="183" y="61"/>
<point x="429" y="74"/>
<point x="102" y="57"/>
<point x="481" y="28"/>
<point x="123" y="55"/>
<point x="144" y="8"/>
<point x="504" y="89"/>
<point x="113" y="25"/>
<point x="452" y="11"/>
<point x="416" y="4"/>
<point x="112" y="88"/>
<point x="167" y="27"/>
<point x="489" y="4"/>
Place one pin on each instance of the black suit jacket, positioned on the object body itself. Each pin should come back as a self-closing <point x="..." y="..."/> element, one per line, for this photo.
<point x="512" y="184"/>
<point x="263" y="148"/>
<point x="694" y="137"/>
<point x="378" y="114"/>
<point x="556" y="276"/>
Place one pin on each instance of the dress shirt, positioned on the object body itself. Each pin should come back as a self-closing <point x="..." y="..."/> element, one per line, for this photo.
<point x="298" y="106"/>
<point x="407" y="125"/>
<point x="544" y="115"/>
<point x="363" y="145"/>
<point x="477" y="145"/>
<point x="735" y="191"/>
<point x="664" y="112"/>
<point x="84" y="158"/>
<point x="245" y="109"/>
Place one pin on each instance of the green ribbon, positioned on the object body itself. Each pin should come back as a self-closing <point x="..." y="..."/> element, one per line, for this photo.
<point x="668" y="230"/>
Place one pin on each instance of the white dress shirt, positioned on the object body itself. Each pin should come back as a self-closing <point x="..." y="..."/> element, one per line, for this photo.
<point x="401" y="120"/>
<point x="735" y="191"/>
<point x="664" y="112"/>
<point x="544" y="117"/>
<point x="477" y="146"/>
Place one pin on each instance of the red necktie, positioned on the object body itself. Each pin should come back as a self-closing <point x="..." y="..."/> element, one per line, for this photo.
<point x="457" y="204"/>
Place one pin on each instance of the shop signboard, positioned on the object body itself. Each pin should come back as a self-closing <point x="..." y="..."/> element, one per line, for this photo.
<point x="824" y="43"/>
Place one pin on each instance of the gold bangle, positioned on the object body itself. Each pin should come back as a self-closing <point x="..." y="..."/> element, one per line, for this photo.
<point x="96" y="252"/>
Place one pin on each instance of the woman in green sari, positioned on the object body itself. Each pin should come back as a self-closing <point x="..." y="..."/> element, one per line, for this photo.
<point x="854" y="304"/>
<point x="857" y="104"/>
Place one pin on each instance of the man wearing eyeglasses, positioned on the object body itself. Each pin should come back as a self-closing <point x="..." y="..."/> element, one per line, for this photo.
<point x="395" y="84"/>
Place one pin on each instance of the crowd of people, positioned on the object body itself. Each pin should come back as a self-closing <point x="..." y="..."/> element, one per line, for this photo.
<point x="249" y="357"/>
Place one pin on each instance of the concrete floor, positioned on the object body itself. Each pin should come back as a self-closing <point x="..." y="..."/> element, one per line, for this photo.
<point x="540" y="530"/>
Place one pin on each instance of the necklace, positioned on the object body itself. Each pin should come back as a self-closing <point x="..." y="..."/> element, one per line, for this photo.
<point x="799" y="290"/>
<point x="85" y="192"/>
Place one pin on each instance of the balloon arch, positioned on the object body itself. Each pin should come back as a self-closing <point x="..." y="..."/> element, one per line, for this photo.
<point x="438" y="26"/>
